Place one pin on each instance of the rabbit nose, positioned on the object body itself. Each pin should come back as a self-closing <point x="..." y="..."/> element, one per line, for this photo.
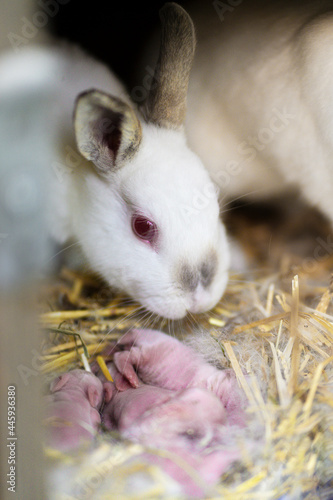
<point x="192" y="277"/>
<point x="208" y="270"/>
<point x="189" y="278"/>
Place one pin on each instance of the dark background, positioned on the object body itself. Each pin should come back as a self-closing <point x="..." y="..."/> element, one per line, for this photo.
<point x="117" y="31"/>
<point x="113" y="31"/>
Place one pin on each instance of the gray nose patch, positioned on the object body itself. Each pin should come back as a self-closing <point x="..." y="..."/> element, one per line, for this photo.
<point x="190" y="277"/>
<point x="208" y="270"/>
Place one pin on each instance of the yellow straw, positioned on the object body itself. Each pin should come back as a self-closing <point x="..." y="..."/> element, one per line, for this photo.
<point x="104" y="368"/>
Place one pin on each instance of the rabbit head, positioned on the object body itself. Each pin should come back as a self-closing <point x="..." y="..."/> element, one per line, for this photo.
<point x="147" y="215"/>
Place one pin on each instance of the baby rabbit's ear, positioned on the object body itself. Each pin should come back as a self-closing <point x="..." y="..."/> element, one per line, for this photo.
<point x="94" y="396"/>
<point x="107" y="130"/>
<point x="58" y="383"/>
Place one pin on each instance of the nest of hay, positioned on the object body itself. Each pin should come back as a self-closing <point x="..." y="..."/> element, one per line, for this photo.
<point x="274" y="323"/>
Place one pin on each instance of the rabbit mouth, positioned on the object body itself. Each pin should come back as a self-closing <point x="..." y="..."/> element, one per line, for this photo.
<point x="205" y="298"/>
<point x="175" y="303"/>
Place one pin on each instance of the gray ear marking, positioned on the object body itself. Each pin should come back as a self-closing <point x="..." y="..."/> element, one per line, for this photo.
<point x="166" y="102"/>
<point x="107" y="130"/>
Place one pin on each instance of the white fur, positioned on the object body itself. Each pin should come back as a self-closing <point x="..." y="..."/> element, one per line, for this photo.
<point x="164" y="180"/>
<point x="270" y="74"/>
<point x="150" y="184"/>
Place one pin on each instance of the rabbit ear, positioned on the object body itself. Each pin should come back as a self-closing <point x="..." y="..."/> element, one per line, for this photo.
<point x="166" y="102"/>
<point x="94" y="396"/>
<point x="58" y="383"/>
<point x="107" y="130"/>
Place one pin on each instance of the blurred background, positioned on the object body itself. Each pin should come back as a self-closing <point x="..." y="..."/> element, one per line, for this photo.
<point x="112" y="31"/>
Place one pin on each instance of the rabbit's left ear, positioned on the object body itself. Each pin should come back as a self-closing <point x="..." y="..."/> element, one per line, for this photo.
<point x="107" y="130"/>
<point x="57" y="384"/>
<point x="94" y="396"/>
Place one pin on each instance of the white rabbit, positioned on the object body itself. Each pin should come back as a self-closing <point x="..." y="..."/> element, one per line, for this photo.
<point x="139" y="201"/>
<point x="260" y="112"/>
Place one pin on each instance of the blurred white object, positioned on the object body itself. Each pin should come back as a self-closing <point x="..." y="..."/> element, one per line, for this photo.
<point x="25" y="147"/>
<point x="260" y="113"/>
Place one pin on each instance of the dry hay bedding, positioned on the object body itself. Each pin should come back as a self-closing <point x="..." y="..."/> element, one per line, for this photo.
<point x="275" y="324"/>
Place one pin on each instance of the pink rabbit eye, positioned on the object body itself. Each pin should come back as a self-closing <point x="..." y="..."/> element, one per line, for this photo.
<point x="144" y="228"/>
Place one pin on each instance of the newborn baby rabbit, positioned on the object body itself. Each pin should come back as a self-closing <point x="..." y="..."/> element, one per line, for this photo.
<point x="163" y="361"/>
<point x="166" y="397"/>
<point x="191" y="425"/>
<point x="71" y="412"/>
<point x="174" y="401"/>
